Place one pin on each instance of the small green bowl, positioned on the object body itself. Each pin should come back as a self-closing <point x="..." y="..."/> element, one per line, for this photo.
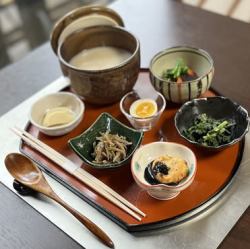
<point x="83" y="144"/>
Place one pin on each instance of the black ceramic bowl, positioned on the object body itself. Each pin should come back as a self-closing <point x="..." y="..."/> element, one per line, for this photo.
<point x="218" y="108"/>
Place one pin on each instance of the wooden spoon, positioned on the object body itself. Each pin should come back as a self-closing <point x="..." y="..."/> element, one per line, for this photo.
<point x="27" y="173"/>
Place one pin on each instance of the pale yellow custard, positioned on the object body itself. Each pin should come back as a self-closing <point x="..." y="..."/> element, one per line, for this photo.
<point x="58" y="116"/>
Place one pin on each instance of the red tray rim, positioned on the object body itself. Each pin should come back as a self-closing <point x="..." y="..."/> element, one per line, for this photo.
<point x="167" y="223"/>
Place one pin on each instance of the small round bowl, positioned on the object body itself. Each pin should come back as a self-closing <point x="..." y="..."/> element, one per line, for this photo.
<point x="101" y="86"/>
<point x="142" y="124"/>
<point x="197" y="59"/>
<point x="61" y="99"/>
<point x="215" y="107"/>
<point x="145" y="154"/>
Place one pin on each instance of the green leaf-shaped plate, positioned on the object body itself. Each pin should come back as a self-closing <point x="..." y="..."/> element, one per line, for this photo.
<point x="83" y="144"/>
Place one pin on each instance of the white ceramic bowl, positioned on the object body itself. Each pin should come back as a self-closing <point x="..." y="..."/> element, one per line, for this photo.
<point x="147" y="153"/>
<point x="61" y="99"/>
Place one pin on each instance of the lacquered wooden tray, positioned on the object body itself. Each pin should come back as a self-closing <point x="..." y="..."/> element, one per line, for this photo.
<point x="214" y="174"/>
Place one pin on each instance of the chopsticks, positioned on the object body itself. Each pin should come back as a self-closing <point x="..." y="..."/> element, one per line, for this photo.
<point x="80" y="174"/>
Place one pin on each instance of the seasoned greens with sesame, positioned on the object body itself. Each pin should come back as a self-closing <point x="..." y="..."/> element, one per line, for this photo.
<point x="209" y="131"/>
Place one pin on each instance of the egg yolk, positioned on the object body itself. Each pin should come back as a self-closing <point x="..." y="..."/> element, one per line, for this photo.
<point x="144" y="109"/>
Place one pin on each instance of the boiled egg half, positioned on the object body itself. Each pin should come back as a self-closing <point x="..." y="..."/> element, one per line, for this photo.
<point x="143" y="108"/>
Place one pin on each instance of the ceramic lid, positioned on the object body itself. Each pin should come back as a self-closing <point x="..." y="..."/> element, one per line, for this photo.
<point x="82" y="17"/>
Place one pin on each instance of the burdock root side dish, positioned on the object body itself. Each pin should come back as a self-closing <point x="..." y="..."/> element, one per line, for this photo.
<point x="110" y="148"/>
<point x="166" y="170"/>
<point x="179" y="73"/>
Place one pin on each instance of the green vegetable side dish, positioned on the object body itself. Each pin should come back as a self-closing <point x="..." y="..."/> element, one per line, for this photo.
<point x="179" y="73"/>
<point x="209" y="131"/>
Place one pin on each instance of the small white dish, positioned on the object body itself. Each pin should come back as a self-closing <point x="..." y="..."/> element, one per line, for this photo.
<point x="54" y="100"/>
<point x="147" y="153"/>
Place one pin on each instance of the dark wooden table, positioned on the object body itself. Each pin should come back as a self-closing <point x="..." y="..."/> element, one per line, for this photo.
<point x="158" y="25"/>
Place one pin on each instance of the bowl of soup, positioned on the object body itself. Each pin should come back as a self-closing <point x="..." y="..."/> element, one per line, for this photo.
<point x="101" y="62"/>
